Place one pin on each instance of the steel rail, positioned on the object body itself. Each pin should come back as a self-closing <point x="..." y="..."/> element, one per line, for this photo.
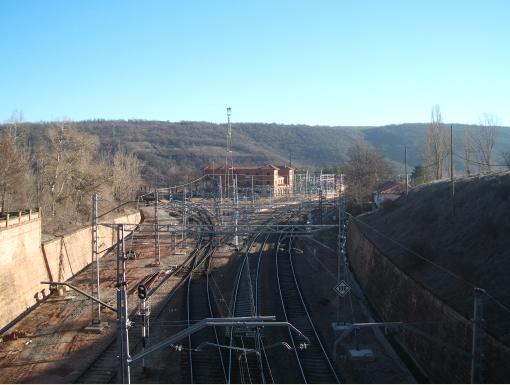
<point x="253" y="309"/>
<point x="285" y="310"/>
<point x="301" y="361"/>
<point x="253" y="297"/>
<point x="110" y="350"/>
<point x="200" y="261"/>
<point x="324" y="352"/>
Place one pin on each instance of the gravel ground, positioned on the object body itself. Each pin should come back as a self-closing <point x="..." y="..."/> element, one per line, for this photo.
<point x="317" y="273"/>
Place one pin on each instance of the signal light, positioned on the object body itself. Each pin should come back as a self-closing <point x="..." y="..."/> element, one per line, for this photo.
<point x="142" y="292"/>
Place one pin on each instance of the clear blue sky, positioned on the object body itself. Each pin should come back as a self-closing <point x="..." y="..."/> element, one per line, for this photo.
<point x="315" y="62"/>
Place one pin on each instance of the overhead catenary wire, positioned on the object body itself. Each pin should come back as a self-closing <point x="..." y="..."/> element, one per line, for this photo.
<point x="184" y="184"/>
<point x="480" y="163"/>
<point x="436" y="265"/>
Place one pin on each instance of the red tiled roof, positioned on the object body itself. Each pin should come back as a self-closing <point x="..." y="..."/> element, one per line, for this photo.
<point x="391" y="187"/>
<point x="244" y="167"/>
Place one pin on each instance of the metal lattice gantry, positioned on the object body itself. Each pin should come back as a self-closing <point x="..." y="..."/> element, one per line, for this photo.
<point x="223" y="218"/>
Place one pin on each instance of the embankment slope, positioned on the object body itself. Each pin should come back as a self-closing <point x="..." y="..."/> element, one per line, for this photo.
<point x="419" y="258"/>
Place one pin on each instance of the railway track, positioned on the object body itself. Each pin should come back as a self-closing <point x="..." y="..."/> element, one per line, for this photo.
<point x="250" y="367"/>
<point x="247" y="367"/>
<point x="104" y="368"/>
<point x="246" y="359"/>
<point x="205" y="365"/>
<point x="314" y="363"/>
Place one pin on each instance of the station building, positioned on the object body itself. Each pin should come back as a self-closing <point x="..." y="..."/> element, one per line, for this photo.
<point x="265" y="179"/>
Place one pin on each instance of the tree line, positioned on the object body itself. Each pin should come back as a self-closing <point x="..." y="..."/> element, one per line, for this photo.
<point x="366" y="167"/>
<point x="60" y="171"/>
<point x="478" y="143"/>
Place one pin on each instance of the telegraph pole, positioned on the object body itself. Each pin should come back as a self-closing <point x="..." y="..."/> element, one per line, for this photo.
<point x="96" y="307"/>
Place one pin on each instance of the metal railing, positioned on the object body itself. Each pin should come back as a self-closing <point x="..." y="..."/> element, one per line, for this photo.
<point x="11" y="218"/>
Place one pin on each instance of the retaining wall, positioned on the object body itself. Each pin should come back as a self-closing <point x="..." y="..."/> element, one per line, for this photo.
<point x="397" y="297"/>
<point x="25" y="261"/>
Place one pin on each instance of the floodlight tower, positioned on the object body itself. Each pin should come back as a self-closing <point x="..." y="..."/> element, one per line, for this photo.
<point x="229" y="165"/>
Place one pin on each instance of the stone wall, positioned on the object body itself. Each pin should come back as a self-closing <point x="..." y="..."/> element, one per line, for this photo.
<point x="21" y="269"/>
<point x="25" y="261"/>
<point x="65" y="256"/>
<point x="395" y="296"/>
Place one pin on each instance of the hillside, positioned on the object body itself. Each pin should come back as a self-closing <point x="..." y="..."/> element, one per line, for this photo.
<point x="473" y="244"/>
<point x="182" y="148"/>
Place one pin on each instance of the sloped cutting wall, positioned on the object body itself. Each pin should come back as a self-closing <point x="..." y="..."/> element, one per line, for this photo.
<point x="25" y="262"/>
<point x="397" y="297"/>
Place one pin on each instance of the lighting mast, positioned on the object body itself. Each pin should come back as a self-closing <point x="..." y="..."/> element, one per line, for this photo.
<point x="230" y="175"/>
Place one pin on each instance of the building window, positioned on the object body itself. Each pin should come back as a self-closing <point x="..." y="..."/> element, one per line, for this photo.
<point x="268" y="173"/>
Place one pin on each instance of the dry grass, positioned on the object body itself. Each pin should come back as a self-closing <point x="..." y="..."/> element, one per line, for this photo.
<point x="473" y="243"/>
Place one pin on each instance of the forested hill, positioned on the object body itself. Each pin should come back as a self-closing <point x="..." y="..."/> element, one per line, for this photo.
<point x="169" y="149"/>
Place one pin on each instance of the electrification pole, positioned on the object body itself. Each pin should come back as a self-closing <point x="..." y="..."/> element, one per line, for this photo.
<point x="228" y="160"/>
<point x="405" y="170"/>
<point x="451" y="160"/>
<point x="476" y="348"/>
<point x="306" y="184"/>
<point x="221" y="201"/>
<point x="122" y="307"/>
<point x="236" y="214"/>
<point x="451" y="169"/>
<point x="157" y="249"/>
<point x="320" y="205"/>
<point x="252" y="193"/>
<point x="96" y="307"/>
<point x="184" y="217"/>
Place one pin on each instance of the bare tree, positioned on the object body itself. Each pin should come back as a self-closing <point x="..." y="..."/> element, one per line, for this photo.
<point x="435" y="149"/>
<point x="483" y="140"/>
<point x="14" y="126"/>
<point x="14" y="174"/>
<point x="67" y="172"/>
<point x="365" y="168"/>
<point x="469" y="152"/>
<point x="125" y="176"/>
<point x="506" y="158"/>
